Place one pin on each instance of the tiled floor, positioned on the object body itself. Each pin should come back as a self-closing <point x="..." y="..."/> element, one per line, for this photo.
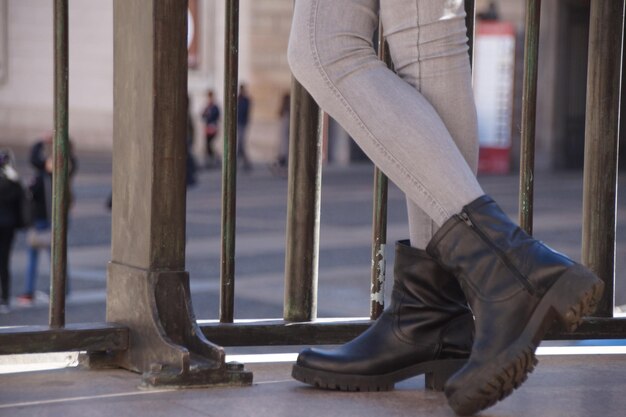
<point x="561" y="386"/>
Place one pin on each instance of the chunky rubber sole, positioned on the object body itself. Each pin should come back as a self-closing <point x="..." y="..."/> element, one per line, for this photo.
<point x="436" y="374"/>
<point x="575" y="295"/>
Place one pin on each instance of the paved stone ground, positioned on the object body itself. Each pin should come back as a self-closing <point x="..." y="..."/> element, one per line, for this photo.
<point x="572" y="386"/>
<point x="261" y="213"/>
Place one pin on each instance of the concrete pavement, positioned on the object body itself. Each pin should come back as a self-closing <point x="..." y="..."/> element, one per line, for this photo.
<point x="261" y="212"/>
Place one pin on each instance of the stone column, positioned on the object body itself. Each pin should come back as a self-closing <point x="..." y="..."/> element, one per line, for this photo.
<point x="148" y="287"/>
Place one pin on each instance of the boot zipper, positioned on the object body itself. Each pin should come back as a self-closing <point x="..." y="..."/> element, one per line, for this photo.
<point x="521" y="278"/>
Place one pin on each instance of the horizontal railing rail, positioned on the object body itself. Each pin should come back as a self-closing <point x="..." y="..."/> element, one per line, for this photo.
<point x="338" y="331"/>
<point x="84" y="337"/>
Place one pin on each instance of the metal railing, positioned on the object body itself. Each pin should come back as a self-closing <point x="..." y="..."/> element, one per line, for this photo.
<point x="599" y="194"/>
<point x="57" y="336"/>
<point x="179" y="342"/>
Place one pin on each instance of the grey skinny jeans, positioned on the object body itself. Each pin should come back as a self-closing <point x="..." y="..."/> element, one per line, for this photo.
<point x="419" y="125"/>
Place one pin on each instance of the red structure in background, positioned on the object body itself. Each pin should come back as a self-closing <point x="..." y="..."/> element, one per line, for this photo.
<point x="494" y="63"/>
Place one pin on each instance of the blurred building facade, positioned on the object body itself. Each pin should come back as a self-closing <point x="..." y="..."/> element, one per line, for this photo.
<point x="26" y="76"/>
<point x="26" y="68"/>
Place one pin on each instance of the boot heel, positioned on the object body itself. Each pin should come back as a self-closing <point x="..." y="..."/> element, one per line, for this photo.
<point x="436" y="378"/>
<point x="577" y="294"/>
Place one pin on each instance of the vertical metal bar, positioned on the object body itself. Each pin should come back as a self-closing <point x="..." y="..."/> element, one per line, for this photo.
<point x="529" y="112"/>
<point x="379" y="241"/>
<point x="379" y="216"/>
<point x="229" y="166"/>
<point x="470" y="24"/>
<point x="60" y="173"/>
<point x="303" y="207"/>
<point x="601" y="144"/>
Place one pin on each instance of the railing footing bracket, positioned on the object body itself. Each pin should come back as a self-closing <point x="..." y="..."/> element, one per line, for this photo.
<point x="165" y="343"/>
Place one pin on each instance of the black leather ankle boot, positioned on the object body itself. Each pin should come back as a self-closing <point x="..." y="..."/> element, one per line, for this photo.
<point x="428" y="329"/>
<point x="516" y="286"/>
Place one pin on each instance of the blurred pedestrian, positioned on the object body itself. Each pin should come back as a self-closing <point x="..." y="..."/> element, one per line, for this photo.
<point x="279" y="166"/>
<point x="192" y="167"/>
<point x="39" y="235"/>
<point x="244" y="104"/>
<point x="211" y="120"/>
<point x="11" y="218"/>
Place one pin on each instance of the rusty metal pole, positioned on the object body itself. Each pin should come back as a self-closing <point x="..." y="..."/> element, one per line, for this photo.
<point x="601" y="145"/>
<point x="379" y="216"/>
<point x="229" y="166"/>
<point x="303" y="207"/>
<point x="379" y="241"/>
<point x="529" y="113"/>
<point x="470" y="24"/>
<point x="60" y="173"/>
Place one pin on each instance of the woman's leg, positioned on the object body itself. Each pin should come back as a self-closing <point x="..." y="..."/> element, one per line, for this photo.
<point x="209" y="145"/>
<point x="33" y="261"/>
<point x="428" y="327"/>
<point x="515" y="285"/>
<point x="31" y="271"/>
<point x="431" y="54"/>
<point x="331" y="54"/>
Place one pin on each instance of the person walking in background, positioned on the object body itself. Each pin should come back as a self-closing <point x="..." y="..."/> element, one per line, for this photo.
<point x="211" y="120"/>
<point x="39" y="235"/>
<point x="191" y="166"/>
<point x="11" y="219"/>
<point x="473" y="293"/>
<point x="244" y="104"/>
<point x="279" y="166"/>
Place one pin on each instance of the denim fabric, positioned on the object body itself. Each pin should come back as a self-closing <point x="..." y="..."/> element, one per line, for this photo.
<point x="419" y="125"/>
<point x="33" y="260"/>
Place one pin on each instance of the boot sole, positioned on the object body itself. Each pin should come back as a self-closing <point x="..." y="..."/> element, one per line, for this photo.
<point x="436" y="374"/>
<point x="575" y="295"/>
